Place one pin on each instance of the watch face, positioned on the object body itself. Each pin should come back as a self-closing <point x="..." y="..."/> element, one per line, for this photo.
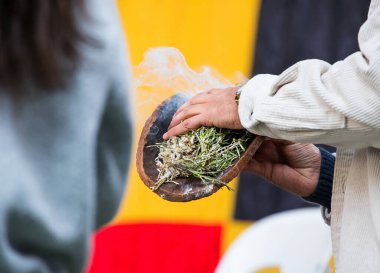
<point x="238" y="92"/>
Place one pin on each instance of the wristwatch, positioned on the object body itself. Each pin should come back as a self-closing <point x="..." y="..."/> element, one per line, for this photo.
<point x="237" y="94"/>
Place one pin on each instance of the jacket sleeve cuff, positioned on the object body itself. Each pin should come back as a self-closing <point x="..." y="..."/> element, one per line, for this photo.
<point x="251" y="97"/>
<point x="323" y="192"/>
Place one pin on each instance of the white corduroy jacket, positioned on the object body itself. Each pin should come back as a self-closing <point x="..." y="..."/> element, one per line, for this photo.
<point x="337" y="104"/>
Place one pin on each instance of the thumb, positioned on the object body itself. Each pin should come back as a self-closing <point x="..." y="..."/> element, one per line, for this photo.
<point x="255" y="167"/>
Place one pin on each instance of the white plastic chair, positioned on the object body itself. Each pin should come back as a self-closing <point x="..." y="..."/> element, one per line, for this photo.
<point x="296" y="241"/>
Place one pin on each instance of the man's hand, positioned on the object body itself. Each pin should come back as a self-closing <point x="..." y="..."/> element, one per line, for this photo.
<point x="292" y="167"/>
<point x="216" y="107"/>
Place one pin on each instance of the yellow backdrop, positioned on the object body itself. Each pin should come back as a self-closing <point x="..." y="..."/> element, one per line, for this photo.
<point x="216" y="33"/>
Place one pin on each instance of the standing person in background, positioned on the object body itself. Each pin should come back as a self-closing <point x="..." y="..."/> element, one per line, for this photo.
<point x="65" y="130"/>
<point x="315" y="102"/>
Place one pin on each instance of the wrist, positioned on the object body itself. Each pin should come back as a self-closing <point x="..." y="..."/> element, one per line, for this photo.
<point x="237" y="93"/>
<point x="253" y="94"/>
<point x="323" y="191"/>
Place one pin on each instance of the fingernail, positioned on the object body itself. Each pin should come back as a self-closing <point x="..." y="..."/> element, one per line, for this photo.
<point x="165" y="136"/>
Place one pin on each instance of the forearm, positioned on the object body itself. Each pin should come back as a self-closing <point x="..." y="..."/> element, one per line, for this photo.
<point x="314" y="101"/>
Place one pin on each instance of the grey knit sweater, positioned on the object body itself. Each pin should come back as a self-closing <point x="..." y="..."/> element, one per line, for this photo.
<point x="64" y="157"/>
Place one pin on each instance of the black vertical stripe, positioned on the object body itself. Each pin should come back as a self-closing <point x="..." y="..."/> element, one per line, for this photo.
<point x="294" y="30"/>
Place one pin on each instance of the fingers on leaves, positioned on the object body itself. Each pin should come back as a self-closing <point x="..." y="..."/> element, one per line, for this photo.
<point x="185" y="114"/>
<point x="184" y="126"/>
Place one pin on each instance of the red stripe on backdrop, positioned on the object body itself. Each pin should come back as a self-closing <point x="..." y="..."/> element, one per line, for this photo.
<point x="156" y="248"/>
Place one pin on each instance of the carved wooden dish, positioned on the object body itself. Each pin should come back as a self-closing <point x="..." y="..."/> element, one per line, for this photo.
<point x="187" y="189"/>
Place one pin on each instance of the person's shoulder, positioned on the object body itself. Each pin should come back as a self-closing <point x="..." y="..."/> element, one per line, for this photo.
<point x="100" y="20"/>
<point x="101" y="25"/>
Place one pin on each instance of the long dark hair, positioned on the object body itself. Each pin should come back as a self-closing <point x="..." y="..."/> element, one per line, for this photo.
<point x="38" y="42"/>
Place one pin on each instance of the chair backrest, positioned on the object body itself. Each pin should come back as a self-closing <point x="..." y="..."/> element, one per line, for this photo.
<point x="296" y="241"/>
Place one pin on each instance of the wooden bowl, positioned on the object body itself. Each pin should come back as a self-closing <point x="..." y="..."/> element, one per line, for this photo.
<point x="187" y="189"/>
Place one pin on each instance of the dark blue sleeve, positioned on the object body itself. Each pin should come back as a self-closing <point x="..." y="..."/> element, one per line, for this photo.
<point x="323" y="192"/>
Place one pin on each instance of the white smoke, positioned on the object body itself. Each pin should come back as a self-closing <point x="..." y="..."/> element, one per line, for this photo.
<point x="164" y="73"/>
